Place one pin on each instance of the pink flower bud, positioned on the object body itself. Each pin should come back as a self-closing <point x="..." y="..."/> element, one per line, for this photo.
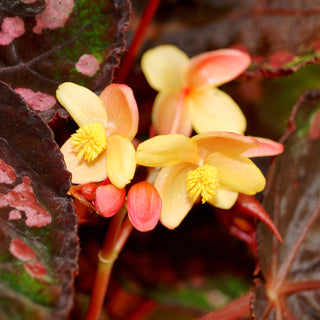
<point x="109" y="200"/>
<point x="144" y="206"/>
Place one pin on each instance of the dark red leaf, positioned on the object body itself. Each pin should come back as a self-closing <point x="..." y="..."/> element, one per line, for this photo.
<point x="290" y="288"/>
<point x="78" y="41"/>
<point x="21" y="8"/>
<point x="38" y="241"/>
<point x="260" y="27"/>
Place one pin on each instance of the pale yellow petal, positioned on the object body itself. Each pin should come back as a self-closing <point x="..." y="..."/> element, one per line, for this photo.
<point x="164" y="66"/>
<point x="237" y="173"/>
<point x="176" y="202"/>
<point x="166" y="151"/>
<point x="223" y="142"/>
<point x="213" y="110"/>
<point x="121" y="109"/>
<point x="216" y="67"/>
<point x="121" y="162"/>
<point x="170" y="114"/>
<point x="83" y="105"/>
<point x="82" y="170"/>
<point x="224" y="198"/>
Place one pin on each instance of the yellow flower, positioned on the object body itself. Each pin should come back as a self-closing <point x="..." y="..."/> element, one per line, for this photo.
<point x="209" y="166"/>
<point x="102" y="146"/>
<point x="188" y="97"/>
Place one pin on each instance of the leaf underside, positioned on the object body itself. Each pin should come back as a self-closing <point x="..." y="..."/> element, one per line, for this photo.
<point x="290" y="288"/>
<point x="38" y="241"/>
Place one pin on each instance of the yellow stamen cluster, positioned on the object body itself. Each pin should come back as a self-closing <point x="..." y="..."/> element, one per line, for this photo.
<point x="90" y="140"/>
<point x="202" y="181"/>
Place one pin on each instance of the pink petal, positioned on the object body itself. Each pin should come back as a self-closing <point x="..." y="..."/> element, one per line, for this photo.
<point x="122" y="110"/>
<point x="267" y="147"/>
<point x="38" y="101"/>
<point x="109" y="200"/>
<point x="88" y="65"/>
<point x="216" y="67"/>
<point x="12" y="27"/>
<point x="144" y="206"/>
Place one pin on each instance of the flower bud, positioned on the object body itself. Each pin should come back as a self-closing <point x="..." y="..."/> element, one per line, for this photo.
<point x="109" y="200"/>
<point x="144" y="206"/>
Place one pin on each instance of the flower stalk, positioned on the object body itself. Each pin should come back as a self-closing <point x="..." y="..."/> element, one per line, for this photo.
<point x="116" y="237"/>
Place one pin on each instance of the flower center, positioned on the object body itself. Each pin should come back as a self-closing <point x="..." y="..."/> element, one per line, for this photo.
<point x="202" y="181"/>
<point x="90" y="140"/>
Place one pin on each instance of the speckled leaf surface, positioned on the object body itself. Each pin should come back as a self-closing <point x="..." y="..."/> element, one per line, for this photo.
<point x="290" y="288"/>
<point x="58" y="41"/>
<point x="38" y="241"/>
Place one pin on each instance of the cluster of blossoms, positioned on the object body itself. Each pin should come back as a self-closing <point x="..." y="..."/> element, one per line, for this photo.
<point x="212" y="166"/>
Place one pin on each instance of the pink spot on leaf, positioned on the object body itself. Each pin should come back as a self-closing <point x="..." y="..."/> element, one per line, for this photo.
<point x="22" y="198"/>
<point x="14" y="215"/>
<point x="38" y="101"/>
<point x="20" y="250"/>
<point x="314" y="131"/>
<point x="55" y="15"/>
<point x="35" y="269"/>
<point x="88" y="65"/>
<point x="7" y="174"/>
<point x="11" y="28"/>
<point x="280" y="58"/>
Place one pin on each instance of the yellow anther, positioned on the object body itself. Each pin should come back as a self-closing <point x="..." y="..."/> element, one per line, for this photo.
<point x="90" y="140"/>
<point x="202" y="181"/>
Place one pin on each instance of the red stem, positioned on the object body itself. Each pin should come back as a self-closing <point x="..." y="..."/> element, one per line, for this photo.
<point x="107" y="257"/>
<point x="232" y="311"/>
<point x="137" y="41"/>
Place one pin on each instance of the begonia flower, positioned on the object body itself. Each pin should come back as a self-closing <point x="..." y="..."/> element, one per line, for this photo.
<point x="209" y="166"/>
<point x="102" y="146"/>
<point x="188" y="96"/>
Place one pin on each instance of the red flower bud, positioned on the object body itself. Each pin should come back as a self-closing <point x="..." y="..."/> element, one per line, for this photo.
<point x="89" y="191"/>
<point x="109" y="200"/>
<point x="144" y="206"/>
